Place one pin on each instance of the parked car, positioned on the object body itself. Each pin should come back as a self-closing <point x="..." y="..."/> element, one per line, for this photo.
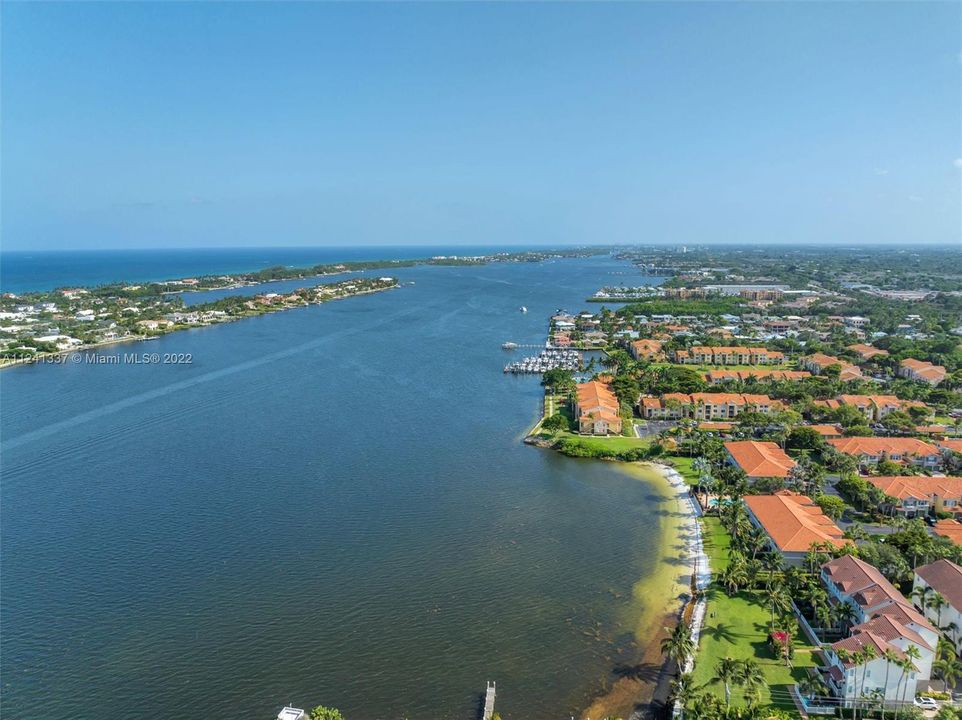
<point x="926" y="703"/>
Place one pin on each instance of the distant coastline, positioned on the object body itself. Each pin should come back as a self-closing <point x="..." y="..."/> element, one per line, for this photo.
<point x="38" y="325"/>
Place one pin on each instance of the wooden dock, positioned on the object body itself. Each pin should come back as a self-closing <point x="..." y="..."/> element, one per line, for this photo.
<point x="489" y="701"/>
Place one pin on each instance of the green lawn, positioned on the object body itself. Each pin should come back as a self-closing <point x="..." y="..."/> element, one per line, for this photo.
<point x="737" y="627"/>
<point x="683" y="464"/>
<point x="617" y="443"/>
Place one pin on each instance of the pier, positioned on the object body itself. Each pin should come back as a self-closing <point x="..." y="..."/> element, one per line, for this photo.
<point x="547" y="360"/>
<point x="489" y="701"/>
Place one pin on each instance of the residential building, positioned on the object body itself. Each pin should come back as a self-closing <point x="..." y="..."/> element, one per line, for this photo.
<point x="867" y="352"/>
<point x="945" y="578"/>
<point x="705" y="406"/>
<point x="828" y="432"/>
<point x="951" y="529"/>
<point x="793" y="523"/>
<point x="705" y="355"/>
<point x="647" y="350"/>
<point x="873" y="407"/>
<point x="850" y="681"/>
<point x="870" y="450"/>
<point x="919" y="495"/>
<point x="880" y="609"/>
<point x="597" y="409"/>
<point x="715" y="377"/>
<point x="922" y="371"/>
<point x="759" y="459"/>
<point x="818" y="363"/>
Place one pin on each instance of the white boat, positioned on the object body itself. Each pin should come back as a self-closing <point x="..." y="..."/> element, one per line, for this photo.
<point x="524" y="309"/>
<point x="509" y="346"/>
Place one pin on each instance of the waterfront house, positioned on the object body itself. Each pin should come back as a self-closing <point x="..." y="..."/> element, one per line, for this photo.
<point x="851" y="679"/>
<point x="871" y="450"/>
<point x="921" y="371"/>
<point x="880" y="611"/>
<point x="919" y="495"/>
<point x="818" y="363"/>
<point x="597" y="409"/>
<point x="759" y="460"/>
<point x="945" y="578"/>
<point x="793" y="523"/>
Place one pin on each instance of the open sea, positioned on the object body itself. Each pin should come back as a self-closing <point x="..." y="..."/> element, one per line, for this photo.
<point x="329" y="505"/>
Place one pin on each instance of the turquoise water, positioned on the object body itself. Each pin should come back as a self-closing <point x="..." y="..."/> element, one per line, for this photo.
<point x="329" y="505"/>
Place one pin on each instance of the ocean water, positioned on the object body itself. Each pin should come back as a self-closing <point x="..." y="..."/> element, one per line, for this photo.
<point x="327" y="505"/>
<point x="21" y="271"/>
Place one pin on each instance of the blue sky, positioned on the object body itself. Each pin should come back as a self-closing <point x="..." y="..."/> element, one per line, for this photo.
<point x="221" y="124"/>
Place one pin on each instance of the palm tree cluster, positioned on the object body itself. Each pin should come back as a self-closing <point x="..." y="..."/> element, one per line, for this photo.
<point x="696" y="704"/>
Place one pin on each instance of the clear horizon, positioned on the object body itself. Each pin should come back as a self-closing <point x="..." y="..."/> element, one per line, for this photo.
<point x="177" y="126"/>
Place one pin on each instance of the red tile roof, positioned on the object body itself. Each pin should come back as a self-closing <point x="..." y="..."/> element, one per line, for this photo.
<point x="793" y="521"/>
<point x="879" y="445"/>
<point x="952" y="529"/>
<point x="760" y="459"/>
<point x="945" y="577"/>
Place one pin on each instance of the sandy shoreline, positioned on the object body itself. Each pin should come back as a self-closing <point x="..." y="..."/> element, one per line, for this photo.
<point x="631" y="696"/>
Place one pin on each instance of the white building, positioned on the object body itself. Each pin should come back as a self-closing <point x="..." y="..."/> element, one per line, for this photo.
<point x="945" y="578"/>
<point x="851" y="681"/>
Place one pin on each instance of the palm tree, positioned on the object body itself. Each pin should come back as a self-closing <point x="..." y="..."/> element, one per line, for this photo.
<point x="920" y="594"/>
<point x="735" y="575"/>
<point x="779" y="600"/>
<point x="678" y="645"/>
<point x="845" y="615"/>
<point x="752" y="679"/>
<point x="812" y="686"/>
<point x="727" y="671"/>
<point x="949" y="670"/>
<point x="683" y="691"/>
<point x="937" y="602"/>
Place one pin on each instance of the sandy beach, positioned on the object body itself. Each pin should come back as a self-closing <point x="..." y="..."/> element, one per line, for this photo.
<point x="660" y="599"/>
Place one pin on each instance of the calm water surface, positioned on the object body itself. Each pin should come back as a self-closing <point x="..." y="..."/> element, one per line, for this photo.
<point x="329" y="505"/>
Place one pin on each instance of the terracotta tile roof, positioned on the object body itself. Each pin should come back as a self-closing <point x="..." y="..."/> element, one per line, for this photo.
<point x="596" y="394"/>
<point x="855" y="643"/>
<point x="852" y="574"/>
<point x="945" y="577"/>
<point x="879" y="445"/>
<point x="954" y="445"/>
<point x="952" y="529"/>
<point x="891" y="629"/>
<point x="713" y="425"/>
<point x="920" y="487"/>
<point x="757" y="373"/>
<point x="924" y="369"/>
<point x="793" y="521"/>
<point x="866" y="352"/>
<point x="826" y="430"/>
<point x="760" y="459"/>
<point x="904" y="613"/>
<point x="645" y="347"/>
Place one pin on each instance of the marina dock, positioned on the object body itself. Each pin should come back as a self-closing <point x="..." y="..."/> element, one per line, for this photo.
<point x="489" y="701"/>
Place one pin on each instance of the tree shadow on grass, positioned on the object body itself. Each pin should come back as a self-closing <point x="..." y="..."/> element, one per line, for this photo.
<point x="721" y="632"/>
